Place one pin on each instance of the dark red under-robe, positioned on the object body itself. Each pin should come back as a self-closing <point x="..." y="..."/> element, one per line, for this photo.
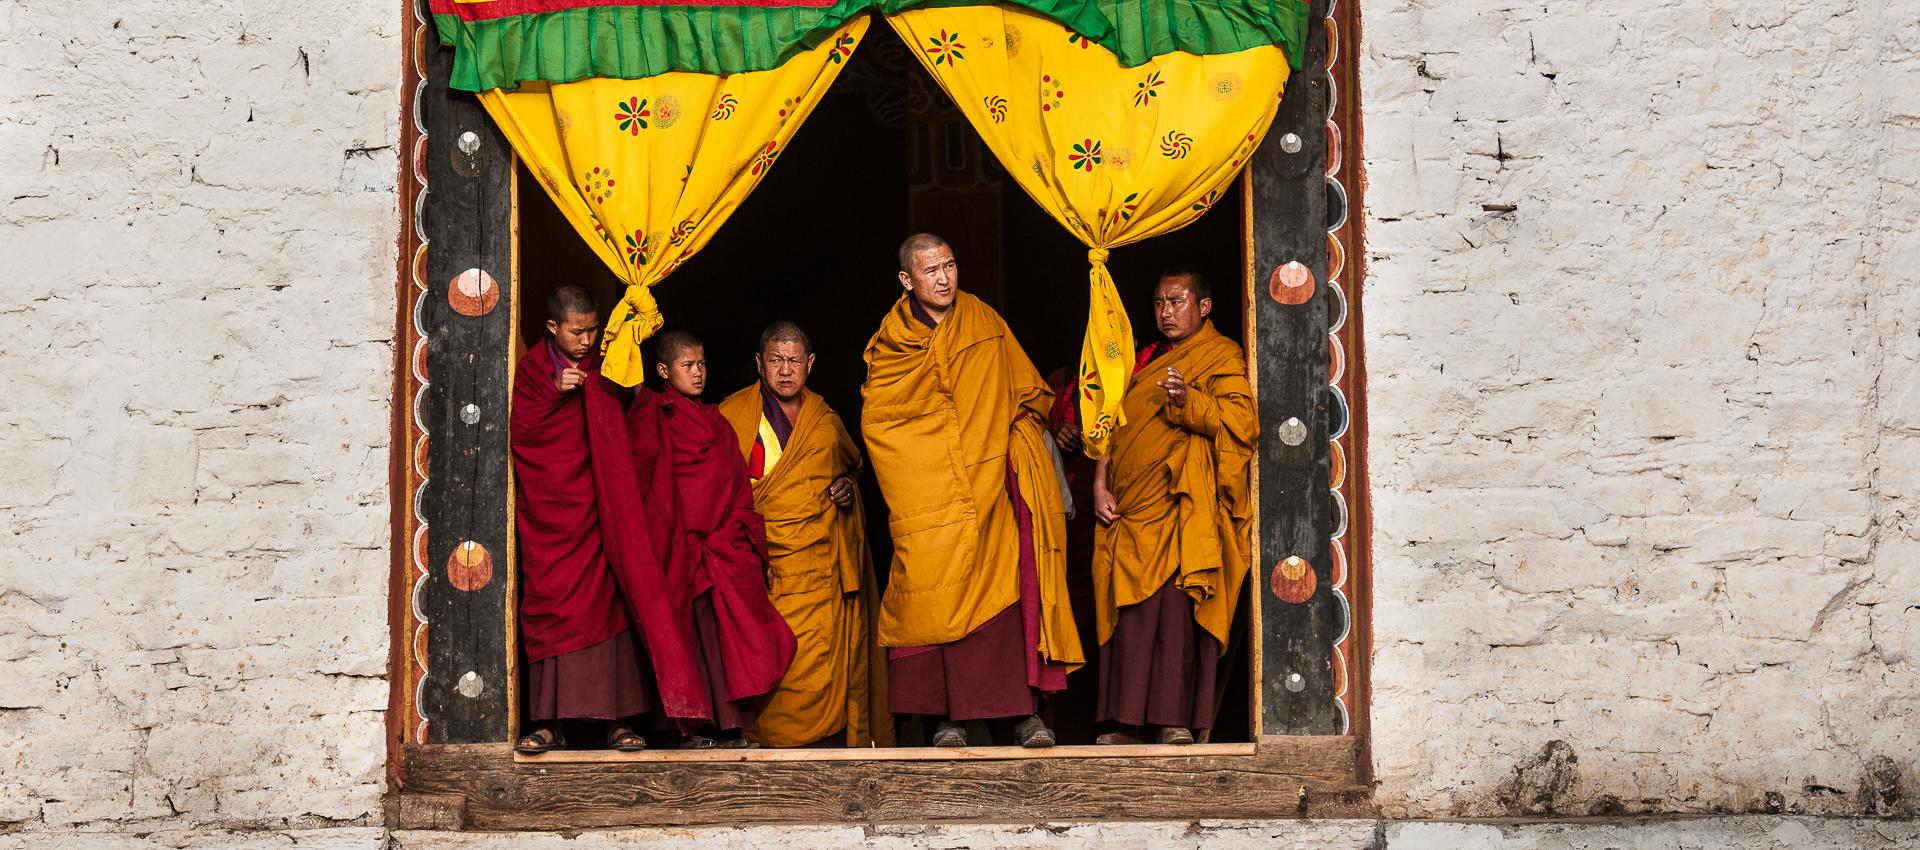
<point x="723" y="546"/>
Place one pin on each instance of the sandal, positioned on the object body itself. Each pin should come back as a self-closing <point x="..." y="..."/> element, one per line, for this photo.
<point x="949" y="734"/>
<point x="1115" y="739"/>
<point x="739" y="744"/>
<point x="538" y="741"/>
<point x="698" y="742"/>
<point x="1033" y="733"/>
<point x="623" y="739"/>
<point x="1176" y="735"/>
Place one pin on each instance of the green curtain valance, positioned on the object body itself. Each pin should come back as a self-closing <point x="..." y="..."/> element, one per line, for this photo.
<point x="503" y="43"/>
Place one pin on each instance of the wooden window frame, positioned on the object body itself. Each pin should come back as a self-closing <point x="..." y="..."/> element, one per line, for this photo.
<point x="453" y="704"/>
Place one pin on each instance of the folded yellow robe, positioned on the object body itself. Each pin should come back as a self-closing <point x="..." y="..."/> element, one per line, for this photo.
<point x="947" y="408"/>
<point x="820" y="577"/>
<point x="1182" y="478"/>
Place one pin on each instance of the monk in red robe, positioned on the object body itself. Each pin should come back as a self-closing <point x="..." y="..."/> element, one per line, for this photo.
<point x="744" y="646"/>
<point x="584" y="657"/>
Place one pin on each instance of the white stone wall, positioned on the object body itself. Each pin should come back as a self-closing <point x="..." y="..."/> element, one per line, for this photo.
<point x="1645" y="451"/>
<point x="197" y="212"/>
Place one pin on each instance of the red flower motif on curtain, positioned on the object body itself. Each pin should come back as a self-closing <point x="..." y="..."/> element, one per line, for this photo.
<point x="945" y="48"/>
<point x="725" y="106"/>
<point x="996" y="107"/>
<point x="1085" y="155"/>
<point x="1176" y="145"/>
<point x="632" y="115"/>
<point x="764" y="159"/>
<point x="842" y="49"/>
<point x="1145" y="93"/>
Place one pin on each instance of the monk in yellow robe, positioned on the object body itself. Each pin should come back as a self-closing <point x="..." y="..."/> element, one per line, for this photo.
<point x="1174" y="499"/>
<point x="976" y="616"/>
<point x="804" y="465"/>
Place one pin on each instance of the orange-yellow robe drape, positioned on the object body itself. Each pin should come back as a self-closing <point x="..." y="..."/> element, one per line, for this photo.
<point x="947" y="408"/>
<point x="821" y="579"/>
<point x="1182" y="478"/>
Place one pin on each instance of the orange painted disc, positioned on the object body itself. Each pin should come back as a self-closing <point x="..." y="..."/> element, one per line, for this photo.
<point x="420" y="456"/>
<point x="1336" y="257"/>
<point x="1293" y="580"/>
<point x="473" y="293"/>
<point x="470" y="566"/>
<point x="1291" y="284"/>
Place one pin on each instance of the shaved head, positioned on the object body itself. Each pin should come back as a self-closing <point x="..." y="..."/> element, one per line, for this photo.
<point x="785" y="331"/>
<point x="571" y="300"/>
<point x="668" y="345"/>
<point x="916" y="243"/>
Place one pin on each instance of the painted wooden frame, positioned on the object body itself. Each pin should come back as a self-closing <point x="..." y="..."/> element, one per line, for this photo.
<point x="453" y="705"/>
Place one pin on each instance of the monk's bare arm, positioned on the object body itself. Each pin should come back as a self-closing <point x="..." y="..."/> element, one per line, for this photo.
<point x="1106" y="508"/>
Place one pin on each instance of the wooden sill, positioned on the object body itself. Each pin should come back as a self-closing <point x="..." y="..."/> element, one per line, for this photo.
<point x="888" y="754"/>
<point x="486" y="787"/>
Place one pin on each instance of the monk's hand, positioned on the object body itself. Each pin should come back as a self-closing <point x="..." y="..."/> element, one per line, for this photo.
<point x="1068" y="436"/>
<point x="1176" y="386"/>
<point x="570" y="380"/>
<point x="841" y="491"/>
<point x="1106" y="508"/>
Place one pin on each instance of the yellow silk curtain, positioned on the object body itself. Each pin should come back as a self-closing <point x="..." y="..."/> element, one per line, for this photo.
<point x="646" y="170"/>
<point x="1115" y="154"/>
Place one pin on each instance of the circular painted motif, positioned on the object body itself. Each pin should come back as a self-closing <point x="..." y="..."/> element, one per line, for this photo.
<point x="420" y="548"/>
<point x="1333" y="148"/>
<point x="1336" y="308"/>
<point x="1336" y="413"/>
<point x="470" y="567"/>
<point x="1336" y="359"/>
<point x="1336" y="204"/>
<point x="1336" y="257"/>
<point x="1336" y="465"/>
<point x="473" y="293"/>
<point x="420" y="361"/>
<point x="420" y="456"/>
<point x="1337" y="554"/>
<point x="1291" y="284"/>
<point x="1293" y="580"/>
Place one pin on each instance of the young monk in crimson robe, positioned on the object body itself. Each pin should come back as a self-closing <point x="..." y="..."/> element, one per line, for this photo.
<point x="803" y="465"/>
<point x="976" y="612"/>
<point x="585" y="659"/>
<point x="744" y="646"/>
<point x="1175" y="502"/>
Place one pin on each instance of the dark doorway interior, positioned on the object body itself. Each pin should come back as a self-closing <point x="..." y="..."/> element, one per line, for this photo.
<point x="885" y="154"/>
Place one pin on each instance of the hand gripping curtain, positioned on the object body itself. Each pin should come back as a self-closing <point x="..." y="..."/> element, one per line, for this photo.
<point x="1115" y="154"/>
<point x="646" y="170"/>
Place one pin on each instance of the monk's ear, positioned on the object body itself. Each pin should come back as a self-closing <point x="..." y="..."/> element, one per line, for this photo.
<point x="906" y="281"/>
<point x="553" y="328"/>
<point x="1206" y="306"/>
<point x="809" y="363"/>
<point x="661" y="367"/>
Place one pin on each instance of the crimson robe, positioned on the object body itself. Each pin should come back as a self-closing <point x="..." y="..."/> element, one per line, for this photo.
<point x="568" y="596"/>
<point x="721" y="541"/>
